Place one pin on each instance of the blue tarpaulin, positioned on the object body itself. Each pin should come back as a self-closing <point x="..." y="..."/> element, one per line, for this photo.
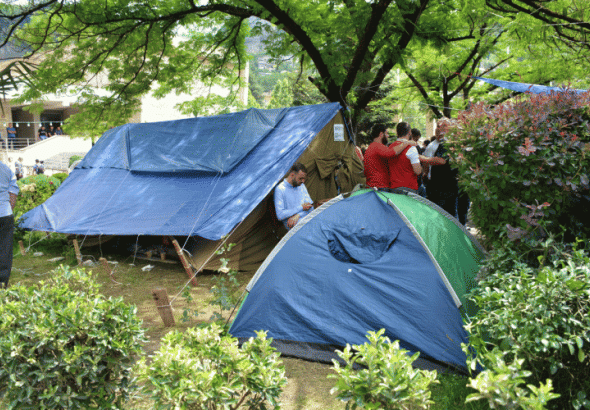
<point x="524" y="87"/>
<point x="199" y="176"/>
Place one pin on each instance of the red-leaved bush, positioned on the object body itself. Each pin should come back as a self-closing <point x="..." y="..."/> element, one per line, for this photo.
<point x="524" y="162"/>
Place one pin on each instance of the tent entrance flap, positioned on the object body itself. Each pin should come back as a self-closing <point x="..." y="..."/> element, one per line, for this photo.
<point x="360" y="246"/>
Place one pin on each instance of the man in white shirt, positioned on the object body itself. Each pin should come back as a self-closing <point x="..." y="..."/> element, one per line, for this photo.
<point x="405" y="168"/>
<point x="8" y="193"/>
<point x="292" y="201"/>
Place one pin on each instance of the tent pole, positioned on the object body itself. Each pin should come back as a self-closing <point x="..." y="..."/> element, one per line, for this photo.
<point x="184" y="262"/>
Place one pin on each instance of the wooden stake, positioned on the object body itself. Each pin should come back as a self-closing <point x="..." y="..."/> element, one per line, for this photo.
<point x="163" y="305"/>
<point x="77" y="250"/>
<point x="22" y="248"/>
<point x="184" y="262"/>
<point x="105" y="265"/>
<point x="163" y="256"/>
<point x="148" y="254"/>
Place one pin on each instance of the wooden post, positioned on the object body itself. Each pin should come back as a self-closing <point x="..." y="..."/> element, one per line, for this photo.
<point x="22" y="248"/>
<point x="77" y="250"/>
<point x="105" y="265"/>
<point x="184" y="262"/>
<point x="163" y="256"/>
<point x="163" y="305"/>
<point x="148" y="254"/>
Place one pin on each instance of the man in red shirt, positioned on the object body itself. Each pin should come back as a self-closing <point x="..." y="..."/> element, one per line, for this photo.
<point x="377" y="154"/>
<point x="405" y="168"/>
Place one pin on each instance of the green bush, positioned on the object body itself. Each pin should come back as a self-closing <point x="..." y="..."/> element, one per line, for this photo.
<point x="34" y="190"/>
<point x="61" y="176"/>
<point x="500" y="384"/>
<point x="524" y="161"/>
<point x="541" y="316"/>
<point x="64" y="346"/>
<point x="204" y="369"/>
<point x="387" y="379"/>
<point x="73" y="159"/>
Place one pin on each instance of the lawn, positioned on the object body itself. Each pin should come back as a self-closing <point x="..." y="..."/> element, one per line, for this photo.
<point x="308" y="386"/>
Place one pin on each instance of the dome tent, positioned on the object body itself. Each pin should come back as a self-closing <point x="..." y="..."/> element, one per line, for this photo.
<point x="370" y="261"/>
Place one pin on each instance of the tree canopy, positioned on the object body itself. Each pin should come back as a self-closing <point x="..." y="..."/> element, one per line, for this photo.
<point x="129" y="47"/>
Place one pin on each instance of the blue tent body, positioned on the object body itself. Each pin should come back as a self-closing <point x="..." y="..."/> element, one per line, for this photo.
<point x="193" y="177"/>
<point x="524" y="87"/>
<point x="364" y="263"/>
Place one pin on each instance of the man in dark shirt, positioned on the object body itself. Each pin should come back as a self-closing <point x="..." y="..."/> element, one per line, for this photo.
<point x="11" y="134"/>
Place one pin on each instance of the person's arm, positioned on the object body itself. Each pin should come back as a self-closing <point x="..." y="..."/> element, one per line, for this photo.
<point x="13" y="190"/>
<point x="432" y="160"/>
<point x="397" y="148"/>
<point x="414" y="157"/>
<point x="307" y="202"/>
<point x="12" y="200"/>
<point x="280" y="207"/>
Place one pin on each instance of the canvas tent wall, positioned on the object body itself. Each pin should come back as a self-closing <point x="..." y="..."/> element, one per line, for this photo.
<point x="198" y="177"/>
<point x="373" y="260"/>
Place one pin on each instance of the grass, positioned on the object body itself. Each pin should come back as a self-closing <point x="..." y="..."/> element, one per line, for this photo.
<point x="308" y="387"/>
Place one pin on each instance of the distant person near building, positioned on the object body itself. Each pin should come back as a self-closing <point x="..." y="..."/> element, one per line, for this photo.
<point x="8" y="194"/>
<point x="19" y="168"/>
<point x="41" y="168"/>
<point x="292" y="201"/>
<point x="11" y="134"/>
<point x="42" y="133"/>
<point x="58" y="131"/>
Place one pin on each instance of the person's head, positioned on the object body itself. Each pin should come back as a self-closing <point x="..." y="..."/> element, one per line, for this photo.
<point x="297" y="174"/>
<point x="20" y="159"/>
<point x="442" y="126"/>
<point x="379" y="133"/>
<point x="9" y="125"/>
<point x="36" y="161"/>
<point x="403" y="129"/>
<point x="416" y="134"/>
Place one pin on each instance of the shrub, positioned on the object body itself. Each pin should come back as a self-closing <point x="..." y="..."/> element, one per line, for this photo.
<point x="73" y="159"/>
<point x="34" y="190"/>
<point x="386" y="380"/>
<point x="64" y="346"/>
<point x="205" y="369"/>
<point x="500" y="384"/>
<point x="61" y="176"/>
<point x="524" y="161"/>
<point x="542" y="317"/>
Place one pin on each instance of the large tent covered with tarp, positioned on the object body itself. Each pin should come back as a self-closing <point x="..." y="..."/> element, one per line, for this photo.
<point x="202" y="178"/>
<point x="376" y="259"/>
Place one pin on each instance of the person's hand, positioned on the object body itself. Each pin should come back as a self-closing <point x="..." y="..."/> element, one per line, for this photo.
<point x="412" y="143"/>
<point x="306" y="206"/>
<point x="291" y="222"/>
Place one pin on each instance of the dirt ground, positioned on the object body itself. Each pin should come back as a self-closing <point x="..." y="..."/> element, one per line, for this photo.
<point x="308" y="386"/>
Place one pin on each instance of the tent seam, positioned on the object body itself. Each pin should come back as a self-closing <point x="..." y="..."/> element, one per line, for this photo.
<point x="430" y="255"/>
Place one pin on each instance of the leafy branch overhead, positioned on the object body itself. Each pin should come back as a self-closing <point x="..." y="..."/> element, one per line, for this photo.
<point x="125" y="47"/>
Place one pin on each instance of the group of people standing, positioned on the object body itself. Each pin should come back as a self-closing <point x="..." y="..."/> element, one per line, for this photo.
<point x="402" y="165"/>
<point x="46" y="133"/>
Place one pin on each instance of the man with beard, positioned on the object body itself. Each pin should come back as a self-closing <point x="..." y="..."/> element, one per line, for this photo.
<point x="377" y="155"/>
<point x="292" y="201"/>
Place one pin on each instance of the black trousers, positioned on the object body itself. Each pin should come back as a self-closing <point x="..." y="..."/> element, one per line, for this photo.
<point x="6" y="233"/>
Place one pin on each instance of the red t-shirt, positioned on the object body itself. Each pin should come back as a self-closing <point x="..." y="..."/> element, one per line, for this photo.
<point x="376" y="171"/>
<point x="401" y="173"/>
